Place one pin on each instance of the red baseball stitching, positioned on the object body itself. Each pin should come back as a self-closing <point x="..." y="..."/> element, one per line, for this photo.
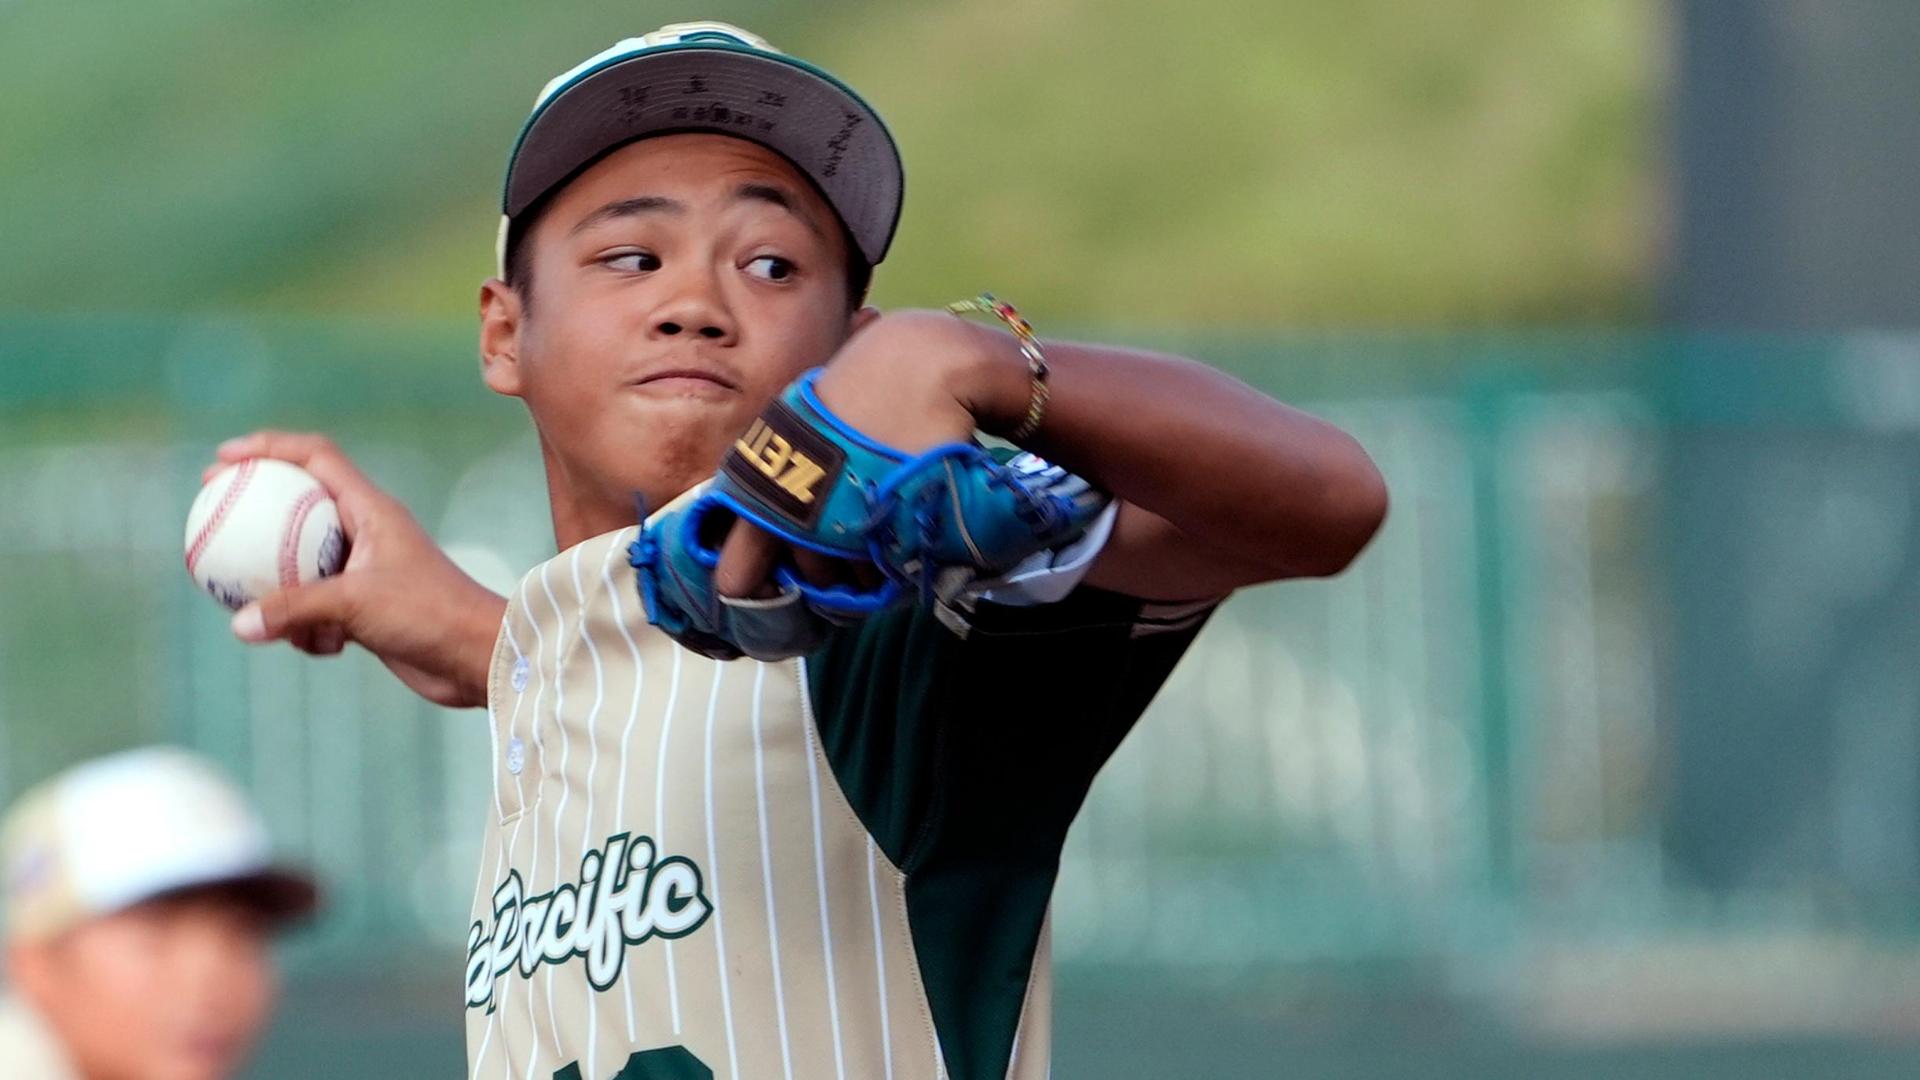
<point x="227" y="499"/>
<point x="290" y="540"/>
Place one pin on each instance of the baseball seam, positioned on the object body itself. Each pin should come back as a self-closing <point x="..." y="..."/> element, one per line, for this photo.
<point x="290" y="540"/>
<point x="227" y="499"/>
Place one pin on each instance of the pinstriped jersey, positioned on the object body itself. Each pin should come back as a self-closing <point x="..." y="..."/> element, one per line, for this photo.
<point x="832" y="867"/>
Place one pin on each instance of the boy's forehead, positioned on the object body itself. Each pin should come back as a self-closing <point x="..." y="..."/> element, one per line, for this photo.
<point x="691" y="164"/>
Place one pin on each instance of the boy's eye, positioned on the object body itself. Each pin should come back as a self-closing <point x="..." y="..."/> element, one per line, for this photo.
<point x="770" y="268"/>
<point x="633" y="262"/>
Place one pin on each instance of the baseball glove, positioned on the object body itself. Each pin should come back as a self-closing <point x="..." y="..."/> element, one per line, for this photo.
<point x="931" y="523"/>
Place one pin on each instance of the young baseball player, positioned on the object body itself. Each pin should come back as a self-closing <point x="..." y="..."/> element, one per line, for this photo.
<point x="141" y="900"/>
<point x="837" y="864"/>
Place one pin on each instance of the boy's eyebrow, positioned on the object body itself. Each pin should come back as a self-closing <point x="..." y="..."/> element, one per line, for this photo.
<point x="644" y="204"/>
<point x="779" y="197"/>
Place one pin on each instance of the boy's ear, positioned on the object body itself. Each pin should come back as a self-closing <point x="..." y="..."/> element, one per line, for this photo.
<point x="501" y="315"/>
<point x="862" y="319"/>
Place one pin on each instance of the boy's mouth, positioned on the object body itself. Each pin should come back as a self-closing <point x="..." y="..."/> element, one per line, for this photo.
<point x="683" y="378"/>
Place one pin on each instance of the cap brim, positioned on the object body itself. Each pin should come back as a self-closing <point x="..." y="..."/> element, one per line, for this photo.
<point x="786" y="105"/>
<point x="279" y="894"/>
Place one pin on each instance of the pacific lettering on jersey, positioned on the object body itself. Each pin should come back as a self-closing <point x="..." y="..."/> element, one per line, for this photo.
<point x="627" y="893"/>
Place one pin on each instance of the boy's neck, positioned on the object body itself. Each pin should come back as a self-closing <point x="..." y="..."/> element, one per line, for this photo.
<point x="584" y="510"/>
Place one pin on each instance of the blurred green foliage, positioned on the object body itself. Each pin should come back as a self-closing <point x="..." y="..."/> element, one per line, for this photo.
<point x="1319" y="162"/>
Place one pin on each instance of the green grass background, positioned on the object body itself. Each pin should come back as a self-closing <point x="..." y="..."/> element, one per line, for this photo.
<point x="1128" y="162"/>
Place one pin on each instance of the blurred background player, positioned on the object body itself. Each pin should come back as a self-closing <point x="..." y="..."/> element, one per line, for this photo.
<point x="141" y="899"/>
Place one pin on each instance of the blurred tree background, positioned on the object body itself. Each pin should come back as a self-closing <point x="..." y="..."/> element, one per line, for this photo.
<point x="1326" y="162"/>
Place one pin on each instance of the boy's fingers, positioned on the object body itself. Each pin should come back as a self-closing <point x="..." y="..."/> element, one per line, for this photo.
<point x="299" y="609"/>
<point x="328" y="640"/>
<point x="319" y="639"/>
<point x="249" y="624"/>
<point x="315" y="453"/>
<point x="746" y="562"/>
<point x="820" y="569"/>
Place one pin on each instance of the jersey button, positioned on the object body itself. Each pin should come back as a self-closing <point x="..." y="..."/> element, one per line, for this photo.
<point x="516" y="755"/>
<point x="520" y="675"/>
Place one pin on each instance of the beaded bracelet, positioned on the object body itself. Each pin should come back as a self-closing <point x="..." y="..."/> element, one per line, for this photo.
<point x="988" y="304"/>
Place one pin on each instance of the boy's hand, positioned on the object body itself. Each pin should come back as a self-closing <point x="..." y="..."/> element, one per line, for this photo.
<point x="399" y="595"/>
<point x="912" y="380"/>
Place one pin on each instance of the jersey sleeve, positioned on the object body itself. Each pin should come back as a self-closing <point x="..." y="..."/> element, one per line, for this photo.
<point x="967" y="753"/>
<point x="1048" y="689"/>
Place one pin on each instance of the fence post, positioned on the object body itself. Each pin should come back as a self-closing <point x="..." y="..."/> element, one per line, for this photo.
<point x="1491" y="552"/>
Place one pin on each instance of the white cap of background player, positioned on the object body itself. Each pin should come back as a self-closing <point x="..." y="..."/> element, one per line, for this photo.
<point x="716" y="77"/>
<point x="133" y="826"/>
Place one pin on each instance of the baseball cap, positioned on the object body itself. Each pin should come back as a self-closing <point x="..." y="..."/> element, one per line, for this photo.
<point x="118" y="830"/>
<point x="712" y="76"/>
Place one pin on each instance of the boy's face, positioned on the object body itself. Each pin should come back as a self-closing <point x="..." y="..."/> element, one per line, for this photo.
<point x="171" y="989"/>
<point x="676" y="287"/>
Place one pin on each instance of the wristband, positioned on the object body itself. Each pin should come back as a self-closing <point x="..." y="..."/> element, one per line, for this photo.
<point x="1038" y="394"/>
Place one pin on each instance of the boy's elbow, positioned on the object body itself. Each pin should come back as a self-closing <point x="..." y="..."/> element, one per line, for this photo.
<point x="1352" y="509"/>
<point x="1363" y="509"/>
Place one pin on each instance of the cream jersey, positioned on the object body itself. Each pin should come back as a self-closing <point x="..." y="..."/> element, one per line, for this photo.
<point x="838" y="867"/>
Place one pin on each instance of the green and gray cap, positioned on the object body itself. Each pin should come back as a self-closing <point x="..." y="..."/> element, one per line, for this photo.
<point x="711" y="76"/>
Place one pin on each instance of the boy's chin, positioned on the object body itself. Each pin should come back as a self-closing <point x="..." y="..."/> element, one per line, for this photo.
<point x="663" y="464"/>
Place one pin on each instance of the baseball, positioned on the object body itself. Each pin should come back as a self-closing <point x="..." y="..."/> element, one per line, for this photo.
<point x="259" y="526"/>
